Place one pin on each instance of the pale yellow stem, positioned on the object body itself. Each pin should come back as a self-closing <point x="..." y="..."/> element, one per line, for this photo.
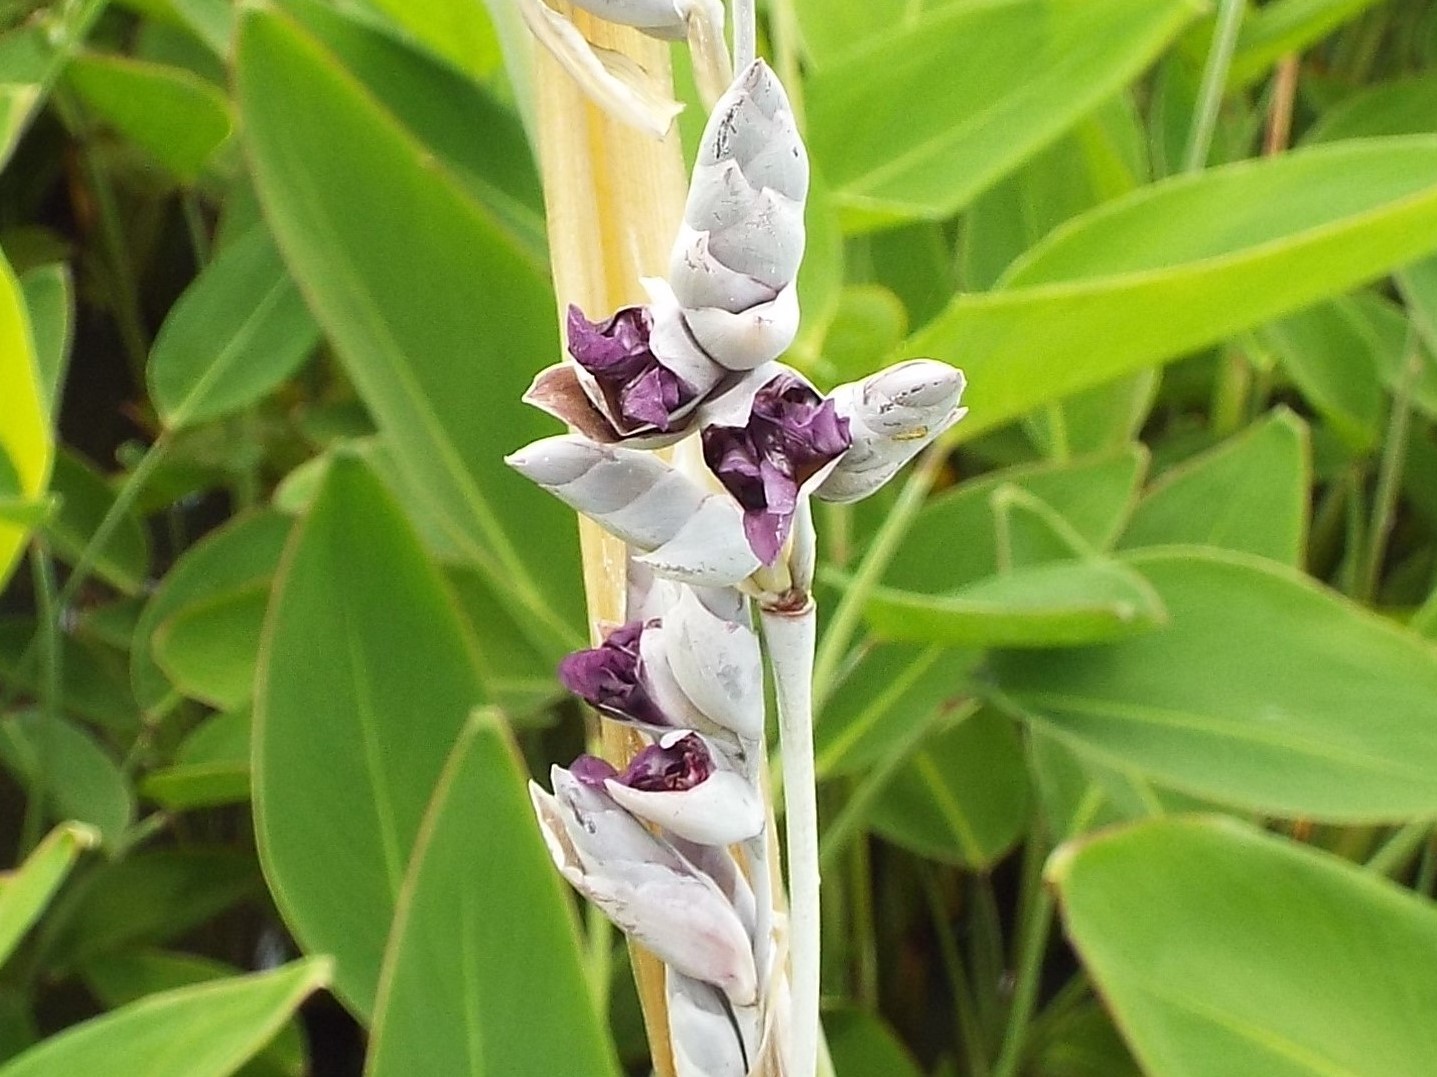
<point x="614" y="197"/>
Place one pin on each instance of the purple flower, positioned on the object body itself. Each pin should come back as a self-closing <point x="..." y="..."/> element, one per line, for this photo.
<point x="792" y="435"/>
<point x="657" y="769"/>
<point x="610" y="677"/>
<point x="639" y="391"/>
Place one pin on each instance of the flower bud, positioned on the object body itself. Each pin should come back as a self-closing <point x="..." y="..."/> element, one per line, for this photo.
<point x="683" y="786"/>
<point x="717" y="663"/>
<point x="687" y="533"/>
<point x="645" y="886"/>
<point x="666" y="19"/>
<point x="892" y="415"/>
<point x="708" y="1036"/>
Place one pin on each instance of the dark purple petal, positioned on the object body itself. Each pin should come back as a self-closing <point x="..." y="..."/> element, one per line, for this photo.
<point x="682" y="765"/>
<point x="639" y="390"/>
<point x="792" y="434"/>
<point x="592" y="771"/>
<point x="610" y="677"/>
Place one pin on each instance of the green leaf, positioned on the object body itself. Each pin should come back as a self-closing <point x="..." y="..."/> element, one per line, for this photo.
<point x="31" y="58"/>
<point x="1062" y="604"/>
<point x="1276" y="29"/>
<point x="962" y="798"/>
<point x="146" y="898"/>
<point x="238" y="331"/>
<point x="1405" y="107"/>
<point x="1226" y="952"/>
<point x="922" y="119"/>
<point x="26" y="891"/>
<point x="26" y="444"/>
<point x="953" y="541"/>
<point x="862" y="1045"/>
<point x="1331" y="357"/>
<point x="78" y="778"/>
<point x="831" y="28"/>
<point x="1249" y="493"/>
<point x="50" y="299"/>
<point x="894" y="690"/>
<point x="1265" y="692"/>
<point x="458" y="31"/>
<point x="211" y="766"/>
<point x="1133" y="284"/>
<point x="439" y="318"/>
<point x="90" y="686"/>
<point x="239" y="556"/>
<point x="209" y="648"/>
<point x="208" y="1030"/>
<point x="85" y="499"/>
<point x="176" y="116"/>
<point x="120" y="979"/>
<point x="484" y="951"/>
<point x="366" y="675"/>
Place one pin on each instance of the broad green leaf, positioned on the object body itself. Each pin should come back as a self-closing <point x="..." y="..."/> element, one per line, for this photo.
<point x="1399" y="333"/>
<point x="1226" y="952"/>
<point x="31" y="58"/>
<point x="477" y="138"/>
<point x="1133" y="284"/>
<point x="1405" y="107"/>
<point x="893" y="691"/>
<point x="85" y="499"/>
<point x="1082" y="1042"/>
<point x="211" y="767"/>
<point x="238" y="331"/>
<point x="366" y="675"/>
<point x="26" y="448"/>
<point x="458" y="31"/>
<point x="26" y="891"/>
<point x="830" y="28"/>
<point x="1276" y="29"/>
<point x="208" y="649"/>
<point x="212" y="21"/>
<point x="484" y="951"/>
<point x="207" y="1030"/>
<point x="868" y="321"/>
<point x="120" y="979"/>
<point x="923" y="118"/>
<point x="241" y="555"/>
<point x="962" y="798"/>
<point x="90" y="685"/>
<point x="439" y="318"/>
<point x="1265" y="691"/>
<point x="1248" y="494"/>
<point x="862" y="1045"/>
<point x="517" y="677"/>
<point x="177" y="117"/>
<point x="146" y="898"/>
<point x="1332" y="359"/>
<point x="77" y="777"/>
<point x="1418" y="283"/>
<point x="1061" y="604"/>
<point x="952" y="542"/>
<point x="50" y="299"/>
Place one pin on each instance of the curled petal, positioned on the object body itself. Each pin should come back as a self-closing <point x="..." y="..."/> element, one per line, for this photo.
<point x="610" y="677"/>
<point x="681" y="785"/>
<point x="892" y="416"/>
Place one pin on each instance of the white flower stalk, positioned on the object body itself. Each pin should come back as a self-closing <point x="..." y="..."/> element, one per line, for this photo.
<point x="645" y="886"/>
<point x="892" y="415"/>
<point x="736" y="258"/>
<point x="686" y="532"/>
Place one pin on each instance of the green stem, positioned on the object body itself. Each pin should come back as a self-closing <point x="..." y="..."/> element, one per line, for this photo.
<point x="970" y="1028"/>
<point x="1230" y="393"/>
<point x="198" y="231"/>
<point x="1424" y="621"/>
<point x="1398" y="850"/>
<point x="600" y="965"/>
<point x="1427" y="868"/>
<point x="1059" y="450"/>
<point x="1036" y="927"/>
<point x="785" y="47"/>
<point x="1389" y="472"/>
<point x="849" y="613"/>
<point x="48" y="637"/>
<point x="1214" y="84"/>
<point x="862" y="926"/>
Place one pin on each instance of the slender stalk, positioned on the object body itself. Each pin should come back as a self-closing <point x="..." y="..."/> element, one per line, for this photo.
<point x="790" y="638"/>
<point x="745" y="34"/>
<point x="1036" y="928"/>
<point x="1389" y="472"/>
<point x="970" y="1028"/>
<point x="1427" y="867"/>
<point x="863" y="925"/>
<point x="614" y="198"/>
<point x="1214" y="84"/>
<point x="784" y="31"/>
<point x="848" y="614"/>
<point x="1279" y="112"/>
<point x="1398" y="851"/>
<point x="1424" y="621"/>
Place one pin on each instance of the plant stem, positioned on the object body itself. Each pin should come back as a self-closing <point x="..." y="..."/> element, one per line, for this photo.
<point x="1389" y="472"/>
<point x="745" y="34"/>
<point x="1279" y="112"/>
<point x="1033" y="944"/>
<point x="1398" y="850"/>
<point x="846" y="617"/>
<point x="790" y="638"/>
<point x="970" y="1028"/>
<point x="1214" y="84"/>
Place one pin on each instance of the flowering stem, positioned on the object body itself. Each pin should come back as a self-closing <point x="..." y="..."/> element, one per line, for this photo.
<point x="745" y="34"/>
<point x="1214" y="83"/>
<point x="790" y="638"/>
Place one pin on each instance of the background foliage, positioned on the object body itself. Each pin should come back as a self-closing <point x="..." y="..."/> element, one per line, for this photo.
<point x="277" y="640"/>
